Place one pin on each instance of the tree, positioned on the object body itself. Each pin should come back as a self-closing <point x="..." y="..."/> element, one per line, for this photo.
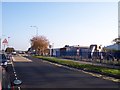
<point x="39" y="44"/>
<point x="117" y="40"/>
<point x="9" y="50"/>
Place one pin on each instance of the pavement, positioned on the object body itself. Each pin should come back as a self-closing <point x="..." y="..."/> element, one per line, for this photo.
<point x="36" y="73"/>
<point x="0" y="78"/>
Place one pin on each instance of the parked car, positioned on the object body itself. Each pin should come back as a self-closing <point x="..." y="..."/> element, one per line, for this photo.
<point x="3" y="61"/>
<point x="5" y="83"/>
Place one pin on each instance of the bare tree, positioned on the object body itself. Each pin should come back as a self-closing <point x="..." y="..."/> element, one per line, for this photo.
<point x="39" y="44"/>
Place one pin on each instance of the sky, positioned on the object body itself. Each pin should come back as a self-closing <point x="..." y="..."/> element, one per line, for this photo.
<point x="63" y="23"/>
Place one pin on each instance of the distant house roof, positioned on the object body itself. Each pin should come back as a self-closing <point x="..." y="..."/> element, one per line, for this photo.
<point x="114" y="47"/>
<point x="77" y="46"/>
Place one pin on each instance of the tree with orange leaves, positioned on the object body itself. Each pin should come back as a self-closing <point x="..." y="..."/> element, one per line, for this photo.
<point x="39" y="44"/>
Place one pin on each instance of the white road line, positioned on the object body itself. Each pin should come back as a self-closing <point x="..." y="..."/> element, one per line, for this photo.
<point x="18" y="88"/>
<point x="15" y="71"/>
<point x="25" y="58"/>
<point x="15" y="75"/>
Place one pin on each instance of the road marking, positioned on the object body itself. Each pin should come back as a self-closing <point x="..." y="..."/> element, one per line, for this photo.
<point x="15" y="71"/>
<point x="59" y="65"/>
<point x="15" y="75"/>
<point x="90" y="73"/>
<point x="18" y="88"/>
<point x="21" y="59"/>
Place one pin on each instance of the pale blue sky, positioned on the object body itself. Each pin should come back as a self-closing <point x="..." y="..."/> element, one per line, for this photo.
<point x="71" y="23"/>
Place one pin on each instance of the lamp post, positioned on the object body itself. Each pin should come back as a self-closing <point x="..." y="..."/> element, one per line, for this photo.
<point x="36" y="29"/>
<point x="36" y="32"/>
<point x="51" y="47"/>
<point x="8" y="41"/>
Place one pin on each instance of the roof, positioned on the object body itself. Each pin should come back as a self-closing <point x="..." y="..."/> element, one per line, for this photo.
<point x="114" y="47"/>
<point x="78" y="46"/>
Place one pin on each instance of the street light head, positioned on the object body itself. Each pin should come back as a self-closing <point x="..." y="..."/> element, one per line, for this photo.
<point x="36" y="29"/>
<point x="33" y="26"/>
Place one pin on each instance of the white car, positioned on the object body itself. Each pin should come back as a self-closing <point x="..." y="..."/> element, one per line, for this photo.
<point x="14" y="53"/>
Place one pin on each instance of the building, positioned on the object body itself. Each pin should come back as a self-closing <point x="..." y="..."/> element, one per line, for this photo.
<point x="56" y="52"/>
<point x="72" y="51"/>
<point x="113" y="47"/>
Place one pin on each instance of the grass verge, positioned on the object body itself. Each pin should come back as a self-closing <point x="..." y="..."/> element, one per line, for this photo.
<point x="87" y="67"/>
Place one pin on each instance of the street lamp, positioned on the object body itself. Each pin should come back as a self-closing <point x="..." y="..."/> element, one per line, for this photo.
<point x="8" y="41"/>
<point x="51" y="47"/>
<point x="36" y="29"/>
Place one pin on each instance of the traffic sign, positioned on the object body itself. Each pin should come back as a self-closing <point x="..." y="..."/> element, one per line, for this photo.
<point x="5" y="41"/>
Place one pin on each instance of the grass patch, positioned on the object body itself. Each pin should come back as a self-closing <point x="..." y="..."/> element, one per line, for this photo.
<point x="82" y="66"/>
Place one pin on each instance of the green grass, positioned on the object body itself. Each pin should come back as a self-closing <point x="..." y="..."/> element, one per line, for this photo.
<point x="81" y="66"/>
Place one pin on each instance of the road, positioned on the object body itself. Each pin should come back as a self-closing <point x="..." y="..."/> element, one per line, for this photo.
<point x="36" y="73"/>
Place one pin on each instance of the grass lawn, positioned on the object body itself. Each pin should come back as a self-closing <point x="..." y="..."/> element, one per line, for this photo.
<point x="89" y="67"/>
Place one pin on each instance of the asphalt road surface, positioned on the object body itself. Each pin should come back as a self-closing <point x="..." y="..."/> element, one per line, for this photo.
<point x="36" y="73"/>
